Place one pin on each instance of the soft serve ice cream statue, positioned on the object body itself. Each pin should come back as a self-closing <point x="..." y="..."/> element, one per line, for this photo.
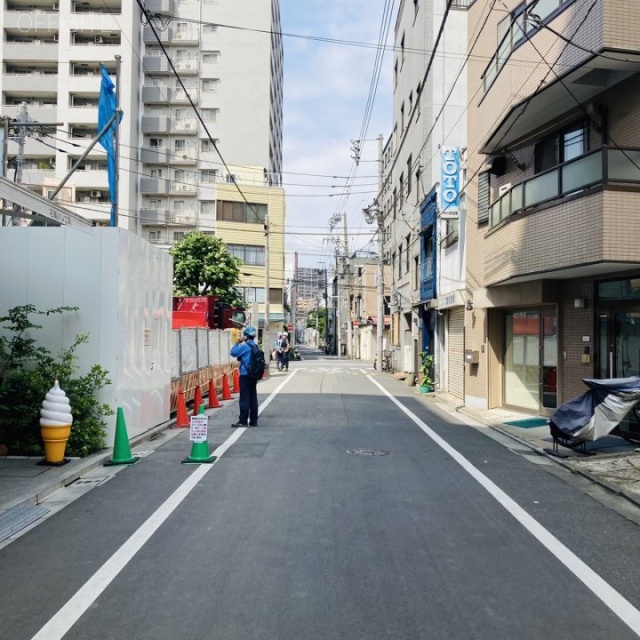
<point x="55" y="424"/>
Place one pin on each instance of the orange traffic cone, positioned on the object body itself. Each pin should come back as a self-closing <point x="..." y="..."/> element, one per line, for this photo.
<point x="213" y="396"/>
<point x="226" y="392"/>
<point x="182" y="419"/>
<point x="236" y="381"/>
<point x="197" y="400"/>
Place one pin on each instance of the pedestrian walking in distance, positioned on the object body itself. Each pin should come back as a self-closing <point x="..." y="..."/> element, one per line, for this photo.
<point x="248" y="384"/>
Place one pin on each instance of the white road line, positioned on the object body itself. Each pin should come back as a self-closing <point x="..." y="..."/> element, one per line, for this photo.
<point x="605" y="592"/>
<point x="70" y="613"/>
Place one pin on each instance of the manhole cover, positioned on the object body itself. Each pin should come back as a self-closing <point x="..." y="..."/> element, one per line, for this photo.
<point x="367" y="452"/>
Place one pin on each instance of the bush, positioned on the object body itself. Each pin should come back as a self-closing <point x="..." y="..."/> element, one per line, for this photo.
<point x="28" y="371"/>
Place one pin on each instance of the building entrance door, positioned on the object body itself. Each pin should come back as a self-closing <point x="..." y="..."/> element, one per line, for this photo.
<point x="618" y="349"/>
<point x="531" y="360"/>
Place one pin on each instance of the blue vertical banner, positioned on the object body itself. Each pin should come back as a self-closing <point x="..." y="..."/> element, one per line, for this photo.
<point x="106" y="111"/>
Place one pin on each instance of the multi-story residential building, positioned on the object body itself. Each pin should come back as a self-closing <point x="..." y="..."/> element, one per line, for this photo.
<point x="553" y="269"/>
<point x="424" y="238"/>
<point x="176" y="172"/>
<point x="197" y="168"/>
<point x="51" y="54"/>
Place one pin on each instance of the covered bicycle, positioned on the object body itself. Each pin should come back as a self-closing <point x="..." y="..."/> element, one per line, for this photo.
<point x="594" y="414"/>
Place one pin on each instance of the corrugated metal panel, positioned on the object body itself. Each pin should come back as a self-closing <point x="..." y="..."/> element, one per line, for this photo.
<point x="455" y="352"/>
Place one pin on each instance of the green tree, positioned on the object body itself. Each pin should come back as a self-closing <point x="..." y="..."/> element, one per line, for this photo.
<point x="317" y="319"/>
<point x="202" y="265"/>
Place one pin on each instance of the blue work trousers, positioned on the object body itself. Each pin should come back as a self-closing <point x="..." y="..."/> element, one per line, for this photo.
<point x="248" y="400"/>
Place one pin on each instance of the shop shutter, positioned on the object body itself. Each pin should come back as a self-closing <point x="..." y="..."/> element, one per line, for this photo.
<point x="455" y="352"/>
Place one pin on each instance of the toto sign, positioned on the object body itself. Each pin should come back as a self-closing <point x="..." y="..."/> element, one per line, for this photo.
<point x="450" y="182"/>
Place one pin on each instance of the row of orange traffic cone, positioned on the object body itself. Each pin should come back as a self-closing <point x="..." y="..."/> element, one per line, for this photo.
<point x="182" y="418"/>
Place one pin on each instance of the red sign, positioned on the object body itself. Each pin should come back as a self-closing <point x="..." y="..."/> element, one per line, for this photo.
<point x="290" y="327"/>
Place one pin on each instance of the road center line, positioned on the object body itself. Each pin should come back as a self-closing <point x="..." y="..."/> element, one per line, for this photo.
<point x="70" y="613"/>
<point x="604" y="591"/>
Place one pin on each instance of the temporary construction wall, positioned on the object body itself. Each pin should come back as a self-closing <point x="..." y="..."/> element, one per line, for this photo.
<point x="122" y="286"/>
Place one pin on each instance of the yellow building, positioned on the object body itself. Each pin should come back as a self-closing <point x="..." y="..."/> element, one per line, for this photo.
<point x="245" y="208"/>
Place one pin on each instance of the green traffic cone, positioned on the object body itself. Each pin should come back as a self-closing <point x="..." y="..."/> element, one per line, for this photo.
<point x="199" y="450"/>
<point x="121" y="448"/>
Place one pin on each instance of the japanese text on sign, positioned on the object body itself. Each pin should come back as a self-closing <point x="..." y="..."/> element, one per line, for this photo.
<point x="198" y="428"/>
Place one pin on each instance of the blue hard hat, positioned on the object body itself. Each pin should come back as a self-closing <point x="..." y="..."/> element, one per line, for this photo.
<point x="250" y="332"/>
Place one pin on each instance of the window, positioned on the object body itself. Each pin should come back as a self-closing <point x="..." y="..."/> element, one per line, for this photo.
<point x="179" y="146"/>
<point x="208" y="207"/>
<point x="156" y="173"/>
<point x="408" y="254"/>
<point x="402" y="117"/>
<point x="209" y="115"/>
<point x="211" y="57"/>
<point x="210" y="28"/>
<point x="400" y="261"/>
<point x="402" y="50"/>
<point x="154" y="236"/>
<point x="252" y="294"/>
<point x="210" y="86"/>
<point x="228" y="211"/>
<point x="418" y="177"/>
<point x="178" y="236"/>
<point x="409" y="174"/>
<point x="249" y="254"/>
<point x="559" y="147"/>
<point x="483" y="197"/>
<point x="208" y="176"/>
<point x="451" y="231"/>
<point x="155" y="143"/>
<point x="207" y="146"/>
<point x="178" y="206"/>
<point x="395" y="75"/>
<point x="401" y="189"/>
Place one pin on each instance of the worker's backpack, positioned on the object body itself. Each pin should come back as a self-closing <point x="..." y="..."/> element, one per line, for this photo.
<point x="257" y="362"/>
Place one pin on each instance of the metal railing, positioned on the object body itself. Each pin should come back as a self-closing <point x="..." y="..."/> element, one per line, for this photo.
<point x="603" y="166"/>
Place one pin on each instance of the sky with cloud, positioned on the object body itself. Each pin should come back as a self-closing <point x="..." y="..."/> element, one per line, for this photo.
<point x="329" y="60"/>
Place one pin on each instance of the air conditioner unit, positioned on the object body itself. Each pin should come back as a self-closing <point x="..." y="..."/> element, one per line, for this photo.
<point x="187" y="125"/>
<point x="179" y="36"/>
<point x="96" y="194"/>
<point x="504" y="189"/>
<point x="98" y="39"/>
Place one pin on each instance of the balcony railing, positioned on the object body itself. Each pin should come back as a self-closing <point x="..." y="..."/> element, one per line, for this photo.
<point x="600" y="167"/>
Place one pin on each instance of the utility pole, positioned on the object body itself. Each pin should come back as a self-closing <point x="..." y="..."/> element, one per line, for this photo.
<point x="347" y="277"/>
<point x="372" y="214"/>
<point x="23" y="116"/>
<point x="266" y="342"/>
<point x="117" y="146"/>
<point x="326" y="313"/>
<point x="380" y="283"/>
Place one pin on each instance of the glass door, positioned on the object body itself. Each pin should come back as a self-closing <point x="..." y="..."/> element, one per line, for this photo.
<point x="531" y="360"/>
<point x="618" y="344"/>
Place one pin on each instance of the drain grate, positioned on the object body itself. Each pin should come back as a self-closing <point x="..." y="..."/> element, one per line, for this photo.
<point x="19" y="517"/>
<point x="368" y="453"/>
<point x="94" y="482"/>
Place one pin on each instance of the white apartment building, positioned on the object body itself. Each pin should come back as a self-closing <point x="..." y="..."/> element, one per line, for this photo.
<point x="425" y="250"/>
<point x="231" y="67"/>
<point x="51" y="53"/>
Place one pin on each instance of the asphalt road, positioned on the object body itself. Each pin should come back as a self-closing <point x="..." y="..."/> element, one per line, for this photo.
<point x="347" y="514"/>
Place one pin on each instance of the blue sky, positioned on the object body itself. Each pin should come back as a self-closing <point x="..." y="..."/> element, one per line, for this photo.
<point x="326" y="89"/>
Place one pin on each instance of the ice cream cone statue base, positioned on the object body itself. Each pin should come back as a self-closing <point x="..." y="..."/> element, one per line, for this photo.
<point x="55" y="425"/>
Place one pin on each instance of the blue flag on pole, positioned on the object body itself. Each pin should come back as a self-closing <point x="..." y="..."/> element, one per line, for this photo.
<point x="106" y="110"/>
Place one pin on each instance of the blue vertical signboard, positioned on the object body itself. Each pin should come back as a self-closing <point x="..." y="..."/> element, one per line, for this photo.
<point x="450" y="182"/>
